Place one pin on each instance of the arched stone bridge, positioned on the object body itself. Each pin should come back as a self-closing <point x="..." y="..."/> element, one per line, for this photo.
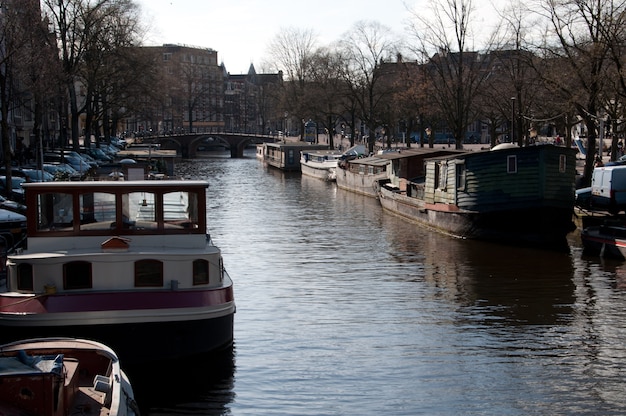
<point x="186" y="145"/>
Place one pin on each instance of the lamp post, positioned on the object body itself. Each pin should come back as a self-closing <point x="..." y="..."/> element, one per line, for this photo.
<point x="512" y="119"/>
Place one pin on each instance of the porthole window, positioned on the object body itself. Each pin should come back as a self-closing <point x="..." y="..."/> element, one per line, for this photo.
<point x="77" y="275"/>
<point x="200" y="272"/>
<point x="25" y="276"/>
<point x="148" y="273"/>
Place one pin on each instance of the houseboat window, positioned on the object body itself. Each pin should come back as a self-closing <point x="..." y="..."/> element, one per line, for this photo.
<point x="443" y="176"/>
<point x="97" y="211"/>
<point x="148" y="273"/>
<point x="290" y="157"/>
<point x="139" y="208"/>
<point x="562" y="163"/>
<point x="77" y="275"/>
<point x="200" y="272"/>
<point x="24" y="276"/>
<point x="460" y="177"/>
<point x="361" y="169"/>
<point x="180" y="209"/>
<point x="511" y="164"/>
<point x="370" y="170"/>
<point x="55" y="212"/>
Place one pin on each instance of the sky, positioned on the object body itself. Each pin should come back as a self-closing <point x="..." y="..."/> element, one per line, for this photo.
<point x="241" y="30"/>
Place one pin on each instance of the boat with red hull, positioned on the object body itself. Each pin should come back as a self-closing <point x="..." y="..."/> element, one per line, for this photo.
<point x="128" y="263"/>
<point x="606" y="240"/>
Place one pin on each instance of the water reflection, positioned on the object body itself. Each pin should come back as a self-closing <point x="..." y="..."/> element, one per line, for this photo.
<point x="343" y="309"/>
<point x="203" y="385"/>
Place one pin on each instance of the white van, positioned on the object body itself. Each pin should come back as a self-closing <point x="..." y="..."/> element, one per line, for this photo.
<point x="608" y="188"/>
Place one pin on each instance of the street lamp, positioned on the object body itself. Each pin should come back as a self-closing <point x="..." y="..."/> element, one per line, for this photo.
<point x="512" y="119"/>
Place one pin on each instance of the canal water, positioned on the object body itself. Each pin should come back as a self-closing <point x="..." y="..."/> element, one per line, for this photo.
<point x="345" y="310"/>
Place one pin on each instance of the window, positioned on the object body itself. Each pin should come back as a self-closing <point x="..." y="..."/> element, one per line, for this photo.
<point x="77" y="275"/>
<point x="148" y="273"/>
<point x="511" y="164"/>
<point x="200" y="272"/>
<point x="97" y="211"/>
<point x="562" y="163"/>
<point x="181" y="209"/>
<point x="139" y="210"/>
<point x="24" y="276"/>
<point x="167" y="57"/>
<point x="56" y="212"/>
<point x="460" y="177"/>
<point x="443" y="176"/>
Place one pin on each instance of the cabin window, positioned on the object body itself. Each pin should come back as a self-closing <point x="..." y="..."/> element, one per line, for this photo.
<point x="97" y="211"/>
<point x="562" y="163"/>
<point x="56" y="212"/>
<point x="443" y="176"/>
<point x="200" y="272"/>
<point x="180" y="209"/>
<point x="139" y="210"/>
<point x="511" y="164"/>
<point x="25" y="276"/>
<point x="290" y="157"/>
<point x="148" y="273"/>
<point x="361" y="169"/>
<point x="370" y="170"/>
<point x="77" y="275"/>
<point x="460" y="177"/>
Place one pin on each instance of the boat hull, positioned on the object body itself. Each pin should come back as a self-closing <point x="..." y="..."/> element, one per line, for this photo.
<point x="323" y="173"/>
<point x="139" y="326"/>
<point x="358" y="183"/>
<point x="604" y="241"/>
<point x="541" y="225"/>
<point x="140" y="342"/>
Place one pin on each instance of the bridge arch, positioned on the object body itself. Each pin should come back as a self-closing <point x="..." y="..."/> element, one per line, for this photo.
<point x="186" y="145"/>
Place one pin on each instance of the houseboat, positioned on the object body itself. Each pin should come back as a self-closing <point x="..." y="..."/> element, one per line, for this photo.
<point x="128" y="263"/>
<point x="520" y="195"/>
<point x="286" y="155"/>
<point x="361" y="175"/>
<point x="320" y="164"/>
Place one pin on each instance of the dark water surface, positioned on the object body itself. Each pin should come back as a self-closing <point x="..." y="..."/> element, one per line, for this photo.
<point x="344" y="310"/>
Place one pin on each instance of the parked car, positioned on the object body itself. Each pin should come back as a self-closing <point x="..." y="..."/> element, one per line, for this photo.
<point x="11" y="205"/>
<point x="30" y="174"/>
<point x="15" y="192"/>
<point x="98" y="154"/>
<point x="62" y="171"/>
<point x="77" y="163"/>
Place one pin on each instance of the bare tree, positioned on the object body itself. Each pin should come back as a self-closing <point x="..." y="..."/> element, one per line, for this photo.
<point x="578" y="51"/>
<point x="456" y="70"/>
<point x="291" y="52"/>
<point x="365" y="49"/>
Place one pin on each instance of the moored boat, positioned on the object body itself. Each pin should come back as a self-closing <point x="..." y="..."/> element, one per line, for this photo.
<point x="126" y="263"/>
<point x="519" y="195"/>
<point x="606" y="240"/>
<point x="321" y="164"/>
<point x="63" y="376"/>
<point x="361" y="175"/>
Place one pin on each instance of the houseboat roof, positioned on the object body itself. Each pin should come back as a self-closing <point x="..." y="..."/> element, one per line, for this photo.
<point x="370" y="161"/>
<point x="129" y="185"/>
<point x="298" y="145"/>
<point x="420" y="151"/>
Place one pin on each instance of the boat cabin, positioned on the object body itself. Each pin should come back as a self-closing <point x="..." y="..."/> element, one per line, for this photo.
<point x="104" y="235"/>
